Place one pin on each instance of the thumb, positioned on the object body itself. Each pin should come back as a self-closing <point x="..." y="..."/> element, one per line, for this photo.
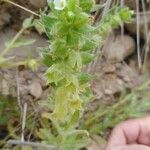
<point x="130" y="147"/>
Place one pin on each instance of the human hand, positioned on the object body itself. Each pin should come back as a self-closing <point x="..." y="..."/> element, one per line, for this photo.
<point x="131" y="135"/>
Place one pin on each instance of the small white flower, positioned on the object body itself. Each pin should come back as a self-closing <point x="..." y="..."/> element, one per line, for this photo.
<point x="59" y="4"/>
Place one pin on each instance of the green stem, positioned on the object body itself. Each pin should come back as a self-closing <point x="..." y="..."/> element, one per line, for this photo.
<point x="8" y="47"/>
<point x="11" y="65"/>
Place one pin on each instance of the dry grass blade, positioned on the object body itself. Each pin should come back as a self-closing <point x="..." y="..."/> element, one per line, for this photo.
<point x="32" y="144"/>
<point x="106" y="9"/>
<point x="146" y="50"/>
<point x="138" y="34"/>
<point x="122" y="26"/>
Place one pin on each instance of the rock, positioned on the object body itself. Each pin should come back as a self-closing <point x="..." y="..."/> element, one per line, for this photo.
<point x="116" y="49"/>
<point x="109" y="68"/>
<point x="38" y="3"/>
<point x="5" y="87"/>
<point x="130" y="3"/>
<point x="4" y="18"/>
<point x="35" y="89"/>
<point x="144" y="20"/>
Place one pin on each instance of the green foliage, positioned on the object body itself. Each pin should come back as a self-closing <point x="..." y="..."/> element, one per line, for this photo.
<point x="20" y="42"/>
<point x="87" y="5"/>
<point x="72" y="38"/>
<point x="7" y="105"/>
<point x="16" y="42"/>
<point x="131" y="105"/>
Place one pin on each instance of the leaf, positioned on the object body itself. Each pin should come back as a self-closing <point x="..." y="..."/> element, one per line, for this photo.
<point x="48" y="21"/>
<point x="39" y="26"/>
<point x="84" y="78"/>
<point x="28" y="23"/>
<point x="89" y="45"/>
<point x="46" y="57"/>
<point x="74" y="119"/>
<point x="87" y="57"/>
<point x="73" y="5"/>
<point x="54" y="74"/>
<point x="97" y="7"/>
<point x="126" y="14"/>
<point x="75" y="60"/>
<point x="59" y="48"/>
<point x="75" y="103"/>
<point x="21" y="42"/>
<point x="46" y="135"/>
<point x="87" y="5"/>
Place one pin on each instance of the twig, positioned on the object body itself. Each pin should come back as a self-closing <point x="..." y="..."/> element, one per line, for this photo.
<point x="30" y="11"/>
<point x="18" y="91"/>
<point x="138" y="35"/>
<point x="147" y="49"/>
<point x="122" y="25"/>
<point x="106" y="8"/>
<point x="147" y="34"/>
<point x="35" y="145"/>
<point x="24" y="121"/>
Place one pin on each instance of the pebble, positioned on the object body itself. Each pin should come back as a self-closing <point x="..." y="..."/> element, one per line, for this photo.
<point x="117" y="48"/>
<point x="38" y="3"/>
<point x="5" y="87"/>
<point x="35" y="89"/>
<point x="109" y="68"/>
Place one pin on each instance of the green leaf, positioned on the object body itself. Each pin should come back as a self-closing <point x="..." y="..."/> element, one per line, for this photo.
<point x="87" y="5"/>
<point x="87" y="57"/>
<point x="84" y="78"/>
<point x="126" y="14"/>
<point x="39" y="26"/>
<point x="74" y="119"/>
<point x="46" y="56"/>
<point x="46" y="135"/>
<point x="28" y="22"/>
<point x="97" y="7"/>
<point x="89" y="45"/>
<point x="75" y="59"/>
<point x="48" y="21"/>
<point x="59" y="48"/>
<point x="21" y="42"/>
<point x="73" y="5"/>
<point x="54" y="74"/>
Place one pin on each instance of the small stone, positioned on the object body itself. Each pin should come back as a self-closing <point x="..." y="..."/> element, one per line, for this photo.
<point x="109" y="68"/>
<point x="108" y="92"/>
<point x="38" y="3"/>
<point x="126" y="79"/>
<point x="35" y="89"/>
<point x="5" y="87"/>
<point x="117" y="48"/>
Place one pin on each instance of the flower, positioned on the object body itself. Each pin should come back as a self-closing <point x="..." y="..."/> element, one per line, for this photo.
<point x="58" y="4"/>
